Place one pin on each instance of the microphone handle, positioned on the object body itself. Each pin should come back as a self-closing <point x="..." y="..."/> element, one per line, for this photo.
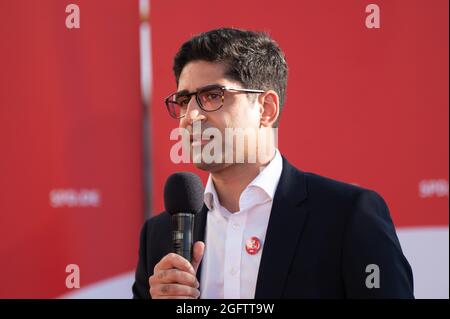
<point x="182" y="234"/>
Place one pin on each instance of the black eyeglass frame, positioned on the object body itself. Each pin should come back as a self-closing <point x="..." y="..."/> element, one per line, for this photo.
<point x="224" y="88"/>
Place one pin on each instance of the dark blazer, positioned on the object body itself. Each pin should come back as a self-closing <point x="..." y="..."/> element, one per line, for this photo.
<point x="322" y="234"/>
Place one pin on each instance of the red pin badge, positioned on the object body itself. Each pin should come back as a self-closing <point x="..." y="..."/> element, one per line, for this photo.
<point x="253" y="245"/>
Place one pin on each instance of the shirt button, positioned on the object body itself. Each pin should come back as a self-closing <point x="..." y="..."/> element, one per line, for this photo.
<point x="233" y="271"/>
<point x="236" y="226"/>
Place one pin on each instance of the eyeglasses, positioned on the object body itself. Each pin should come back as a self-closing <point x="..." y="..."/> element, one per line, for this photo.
<point x="209" y="99"/>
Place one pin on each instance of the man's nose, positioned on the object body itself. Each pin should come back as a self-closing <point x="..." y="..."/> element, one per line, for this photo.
<point x="193" y="111"/>
<point x="192" y="115"/>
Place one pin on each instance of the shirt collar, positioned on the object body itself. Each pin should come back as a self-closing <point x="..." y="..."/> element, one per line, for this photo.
<point x="266" y="180"/>
<point x="210" y="197"/>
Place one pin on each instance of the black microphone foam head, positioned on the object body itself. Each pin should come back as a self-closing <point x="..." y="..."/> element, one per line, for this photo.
<point x="183" y="193"/>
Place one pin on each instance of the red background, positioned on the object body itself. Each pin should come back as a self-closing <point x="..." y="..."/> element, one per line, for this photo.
<point x="70" y="117"/>
<point x="366" y="106"/>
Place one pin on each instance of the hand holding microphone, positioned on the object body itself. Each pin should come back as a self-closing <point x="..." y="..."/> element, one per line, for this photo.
<point x="174" y="277"/>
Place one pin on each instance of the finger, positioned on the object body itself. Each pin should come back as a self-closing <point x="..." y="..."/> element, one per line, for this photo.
<point x="173" y="260"/>
<point x="198" y="251"/>
<point x="176" y="290"/>
<point x="174" y="276"/>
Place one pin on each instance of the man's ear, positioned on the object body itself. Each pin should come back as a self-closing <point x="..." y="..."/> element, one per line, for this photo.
<point x="270" y="108"/>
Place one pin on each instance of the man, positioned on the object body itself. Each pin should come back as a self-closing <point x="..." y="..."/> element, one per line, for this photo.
<point x="266" y="230"/>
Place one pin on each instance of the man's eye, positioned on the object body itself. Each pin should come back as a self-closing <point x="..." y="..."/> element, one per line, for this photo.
<point x="213" y="96"/>
<point x="183" y="102"/>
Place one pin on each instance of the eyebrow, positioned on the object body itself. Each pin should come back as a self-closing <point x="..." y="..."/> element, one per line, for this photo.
<point x="211" y="86"/>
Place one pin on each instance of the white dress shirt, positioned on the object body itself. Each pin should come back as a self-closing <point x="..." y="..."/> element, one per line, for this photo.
<point x="228" y="270"/>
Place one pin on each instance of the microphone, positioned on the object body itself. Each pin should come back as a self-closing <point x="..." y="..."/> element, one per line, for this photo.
<point x="183" y="198"/>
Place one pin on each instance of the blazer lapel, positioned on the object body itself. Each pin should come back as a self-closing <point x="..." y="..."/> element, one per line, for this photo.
<point x="286" y="222"/>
